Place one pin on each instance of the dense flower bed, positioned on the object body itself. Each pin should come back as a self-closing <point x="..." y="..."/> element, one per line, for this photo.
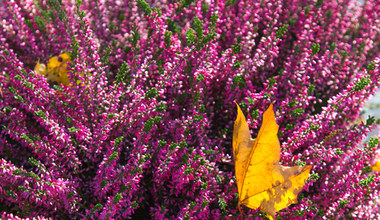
<point x="144" y="128"/>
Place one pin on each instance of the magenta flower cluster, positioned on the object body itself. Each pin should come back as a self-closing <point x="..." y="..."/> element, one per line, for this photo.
<point x="147" y="132"/>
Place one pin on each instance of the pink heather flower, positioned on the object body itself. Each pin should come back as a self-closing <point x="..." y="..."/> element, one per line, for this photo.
<point x="146" y="133"/>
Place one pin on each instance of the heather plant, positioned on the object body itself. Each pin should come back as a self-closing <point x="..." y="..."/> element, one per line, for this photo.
<point x="144" y="128"/>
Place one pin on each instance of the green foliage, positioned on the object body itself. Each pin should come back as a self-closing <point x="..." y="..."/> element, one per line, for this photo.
<point x="123" y="74"/>
<point x="255" y="114"/>
<point x="18" y="172"/>
<point x="117" y="198"/>
<point x="365" y="182"/>
<point x="371" y="66"/>
<point x="70" y="195"/>
<point x="184" y="4"/>
<point x="196" y="37"/>
<point x="183" y="144"/>
<point x="366" y="170"/>
<point x="372" y="143"/>
<point x="315" y="48"/>
<point x="26" y="138"/>
<point x="74" y="48"/>
<point x="173" y="146"/>
<point x="41" y="22"/>
<point x="198" y="27"/>
<point x="202" y="108"/>
<point x="73" y="129"/>
<point x="118" y="141"/>
<point x="237" y="64"/>
<point x="297" y="112"/>
<point x="23" y="72"/>
<point x="338" y="151"/>
<point x="18" y="98"/>
<point x="152" y="93"/>
<point x="134" y="204"/>
<point x="105" y="58"/>
<point x="332" y="46"/>
<point x="12" y="90"/>
<point x="219" y="179"/>
<point x="104" y="183"/>
<point x="370" y="120"/>
<point x="314" y="127"/>
<point x="188" y="171"/>
<point x="214" y="19"/>
<point x="289" y="126"/>
<point x="167" y="39"/>
<point x="40" y="114"/>
<point x="57" y="6"/>
<point x="238" y="80"/>
<point x="314" y="176"/>
<point x="205" y="7"/>
<point x="237" y="47"/>
<point x="157" y="119"/>
<point x="10" y="193"/>
<point x="113" y="156"/>
<point x="362" y="83"/>
<point x="319" y="3"/>
<point x="98" y="206"/>
<point x="292" y="104"/>
<point x="111" y="115"/>
<point x="135" y="37"/>
<point x="33" y="175"/>
<point x="8" y="108"/>
<point x="300" y="163"/>
<point x="230" y="2"/>
<point x="192" y="205"/>
<point x="300" y="212"/>
<point x="272" y="81"/>
<point x="173" y="26"/>
<point x="310" y="89"/>
<point x="222" y="203"/>
<point x="6" y="52"/>
<point x="307" y="10"/>
<point x="282" y="31"/>
<point x="200" y="77"/>
<point x="197" y="117"/>
<point x="162" y="143"/>
<point x="161" y="107"/>
<point x="144" y="6"/>
<point x="190" y="37"/>
<point x="150" y="123"/>
<point x="33" y="161"/>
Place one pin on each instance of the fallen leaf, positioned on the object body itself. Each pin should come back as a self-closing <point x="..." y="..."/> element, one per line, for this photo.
<point x="56" y="71"/>
<point x="376" y="166"/>
<point x="261" y="180"/>
<point x="40" y="68"/>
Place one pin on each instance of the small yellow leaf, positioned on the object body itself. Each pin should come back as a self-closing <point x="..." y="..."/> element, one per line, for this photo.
<point x="261" y="180"/>
<point x="56" y="71"/>
<point x="376" y="166"/>
<point x="40" y="68"/>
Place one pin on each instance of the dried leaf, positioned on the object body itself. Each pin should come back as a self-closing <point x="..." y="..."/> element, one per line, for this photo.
<point x="261" y="180"/>
<point x="56" y="71"/>
<point x="376" y="166"/>
<point x="40" y="68"/>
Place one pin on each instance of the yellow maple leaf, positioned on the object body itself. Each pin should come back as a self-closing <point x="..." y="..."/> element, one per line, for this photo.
<point x="56" y="71"/>
<point x="376" y="166"/>
<point x="261" y="180"/>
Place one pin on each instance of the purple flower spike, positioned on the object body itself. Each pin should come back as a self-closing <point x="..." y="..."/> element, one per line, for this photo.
<point x="142" y="129"/>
